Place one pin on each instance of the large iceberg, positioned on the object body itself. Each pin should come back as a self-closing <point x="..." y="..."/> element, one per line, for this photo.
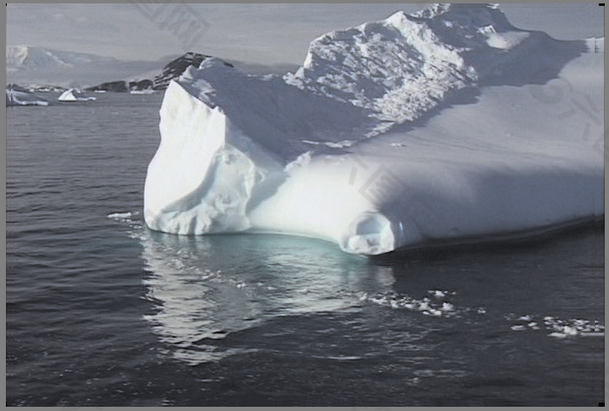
<point x="444" y="125"/>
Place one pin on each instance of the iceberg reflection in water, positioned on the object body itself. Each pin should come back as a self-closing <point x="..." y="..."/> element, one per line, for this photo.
<point x="222" y="295"/>
<point x="199" y="303"/>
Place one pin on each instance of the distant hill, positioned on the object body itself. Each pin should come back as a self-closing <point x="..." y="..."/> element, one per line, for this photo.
<point x="39" y="65"/>
<point x="28" y="58"/>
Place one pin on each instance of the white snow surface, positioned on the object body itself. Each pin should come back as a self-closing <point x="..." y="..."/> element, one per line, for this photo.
<point x="444" y="125"/>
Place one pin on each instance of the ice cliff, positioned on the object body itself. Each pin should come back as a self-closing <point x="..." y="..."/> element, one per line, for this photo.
<point x="433" y="126"/>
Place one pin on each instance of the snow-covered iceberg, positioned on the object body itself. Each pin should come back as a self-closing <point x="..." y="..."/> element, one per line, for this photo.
<point x="19" y="96"/>
<point x="443" y="125"/>
<point x="74" y="95"/>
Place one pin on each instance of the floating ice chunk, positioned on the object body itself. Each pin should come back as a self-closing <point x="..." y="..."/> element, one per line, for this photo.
<point x="447" y="307"/>
<point x="565" y="332"/>
<point x="344" y="358"/>
<point x="592" y="334"/>
<point x="559" y="328"/>
<point x="74" y="95"/>
<point x="123" y="216"/>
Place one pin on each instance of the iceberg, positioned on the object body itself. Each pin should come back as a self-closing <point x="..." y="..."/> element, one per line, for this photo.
<point x="19" y="96"/>
<point x="144" y="91"/>
<point x="445" y="125"/>
<point x="74" y="95"/>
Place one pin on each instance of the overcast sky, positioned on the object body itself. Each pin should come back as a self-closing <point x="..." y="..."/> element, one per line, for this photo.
<point x="259" y="33"/>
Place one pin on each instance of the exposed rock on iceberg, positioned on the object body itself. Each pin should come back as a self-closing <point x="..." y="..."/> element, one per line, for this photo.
<point x="419" y="128"/>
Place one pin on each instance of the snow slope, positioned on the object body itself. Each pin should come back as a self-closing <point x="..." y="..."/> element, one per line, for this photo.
<point x="442" y="125"/>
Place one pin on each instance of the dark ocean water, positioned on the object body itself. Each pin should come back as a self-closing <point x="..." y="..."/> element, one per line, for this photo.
<point x="103" y="312"/>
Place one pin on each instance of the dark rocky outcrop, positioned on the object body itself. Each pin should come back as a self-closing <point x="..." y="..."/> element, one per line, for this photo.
<point x="122" y="86"/>
<point x="140" y="85"/>
<point x="116" y="86"/>
<point x="176" y="67"/>
<point x="172" y="70"/>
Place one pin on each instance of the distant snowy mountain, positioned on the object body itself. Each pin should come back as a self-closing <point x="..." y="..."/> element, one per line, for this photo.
<point x="30" y="58"/>
<point x="39" y="65"/>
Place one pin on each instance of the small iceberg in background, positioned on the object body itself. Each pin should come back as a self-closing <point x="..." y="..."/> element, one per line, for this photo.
<point x="19" y="96"/>
<point x="74" y="94"/>
<point x="144" y="91"/>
